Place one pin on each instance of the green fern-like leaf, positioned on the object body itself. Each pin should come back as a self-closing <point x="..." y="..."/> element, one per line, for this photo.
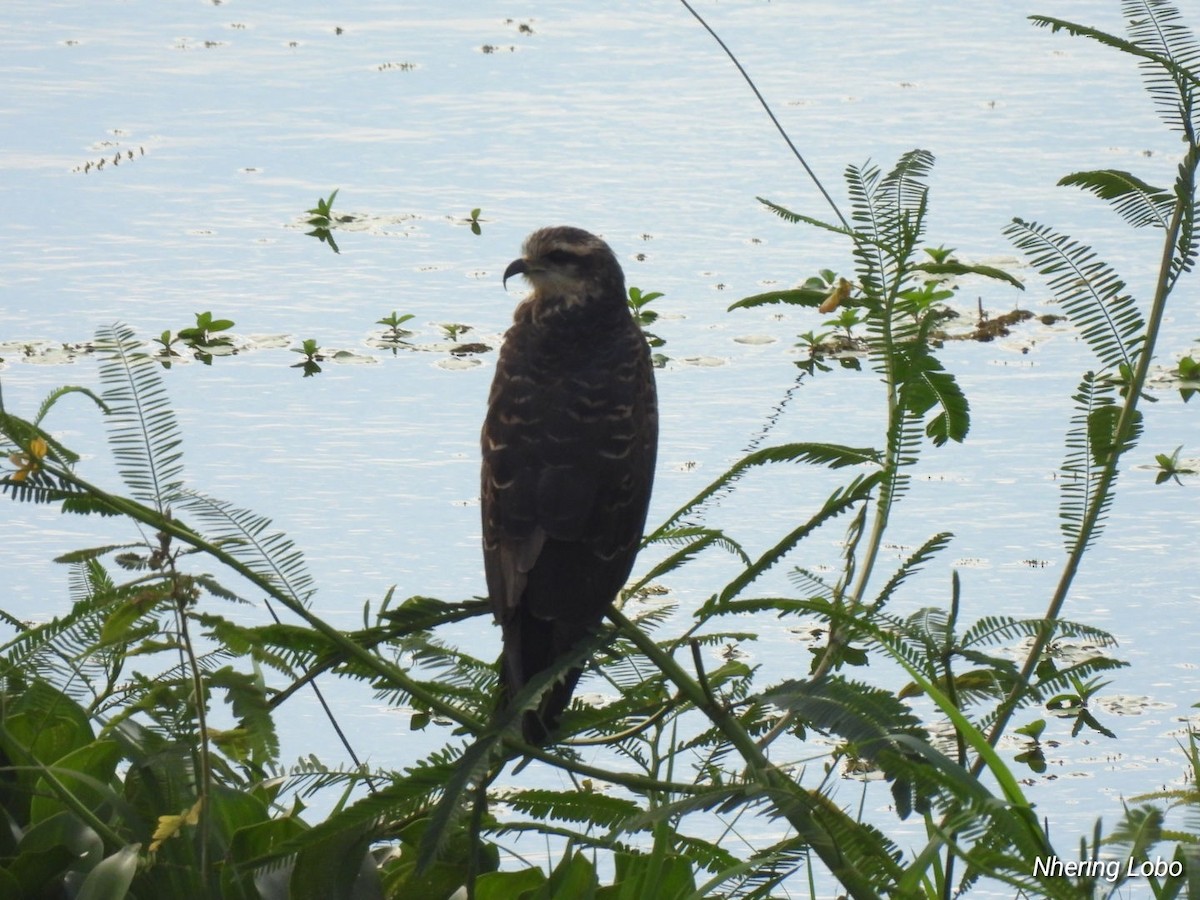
<point x="994" y="630"/>
<point x="585" y="807"/>
<point x="890" y="211"/>
<point x="1139" y="203"/>
<point x="1173" y="39"/>
<point x="904" y="443"/>
<point x="58" y="651"/>
<point x="697" y="540"/>
<point x="835" y="456"/>
<point x="1081" y="469"/>
<point x="794" y="217"/>
<point x="1187" y="247"/>
<point x="44" y="487"/>
<point x="1157" y="26"/>
<point x="283" y="647"/>
<point x="924" y="384"/>
<point x="757" y="877"/>
<point x="811" y="583"/>
<point x="143" y="432"/>
<point x="912" y="565"/>
<point x="810" y="297"/>
<point x="255" y="740"/>
<point x="1139" y="830"/>
<point x="58" y="393"/>
<point x="864" y="715"/>
<point x="246" y="535"/>
<point x="869" y="719"/>
<point x="837" y="503"/>
<point x="886" y="204"/>
<point x="1090" y="292"/>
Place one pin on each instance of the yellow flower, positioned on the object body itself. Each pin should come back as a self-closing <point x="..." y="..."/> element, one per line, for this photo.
<point x="836" y="297"/>
<point x="28" y="463"/>
<point x="169" y="826"/>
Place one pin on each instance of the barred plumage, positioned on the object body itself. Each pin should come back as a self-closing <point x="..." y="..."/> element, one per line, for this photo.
<point x="569" y="445"/>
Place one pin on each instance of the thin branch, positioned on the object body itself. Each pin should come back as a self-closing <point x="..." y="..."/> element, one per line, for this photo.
<point x="757" y="93"/>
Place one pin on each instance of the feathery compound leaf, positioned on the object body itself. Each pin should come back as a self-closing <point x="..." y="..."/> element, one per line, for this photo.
<point x="870" y="719"/>
<point x="1171" y="76"/>
<point x="271" y="555"/>
<point x="810" y="297"/>
<point x="587" y="807"/>
<point x="143" y="433"/>
<point x="838" y="502"/>
<point x="924" y="384"/>
<point x="904" y="442"/>
<point x="1090" y="292"/>
<point x="795" y="217"/>
<point x="954" y="267"/>
<point x="1140" y="830"/>
<point x="835" y="456"/>
<point x="1188" y="244"/>
<point x="1139" y="203"/>
<point x="905" y="183"/>
<point x="1083" y="466"/>
<point x="912" y="565"/>
<point x="892" y="209"/>
<point x="697" y="540"/>
<point x="1157" y="26"/>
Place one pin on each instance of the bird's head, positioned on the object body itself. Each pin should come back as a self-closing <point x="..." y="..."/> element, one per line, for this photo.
<point x="567" y="267"/>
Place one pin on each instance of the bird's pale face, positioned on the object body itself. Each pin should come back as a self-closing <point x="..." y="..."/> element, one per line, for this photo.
<point x="567" y="265"/>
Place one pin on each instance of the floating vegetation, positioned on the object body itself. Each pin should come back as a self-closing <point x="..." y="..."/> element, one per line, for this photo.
<point x="43" y="352"/>
<point x="458" y="363"/>
<point x="119" y="155"/>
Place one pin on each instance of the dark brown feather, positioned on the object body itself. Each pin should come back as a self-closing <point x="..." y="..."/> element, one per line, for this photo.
<point x="569" y="446"/>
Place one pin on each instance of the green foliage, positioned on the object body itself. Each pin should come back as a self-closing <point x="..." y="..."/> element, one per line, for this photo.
<point x="1088" y="289"/>
<point x="311" y="351"/>
<point x="395" y="334"/>
<point x="1188" y="370"/>
<point x="639" y="305"/>
<point x="143" y="433"/>
<point x="1170" y="468"/>
<point x="454" y="330"/>
<point x="321" y="218"/>
<point x="1139" y="203"/>
<point x="321" y="215"/>
<point x="205" y="332"/>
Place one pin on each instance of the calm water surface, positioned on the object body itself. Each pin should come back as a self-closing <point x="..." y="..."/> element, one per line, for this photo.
<point x="631" y="123"/>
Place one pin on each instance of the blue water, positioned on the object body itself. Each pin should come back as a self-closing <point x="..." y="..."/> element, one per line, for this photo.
<point x="631" y="123"/>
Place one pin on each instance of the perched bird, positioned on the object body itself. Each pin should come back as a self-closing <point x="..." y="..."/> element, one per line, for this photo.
<point x="569" y="443"/>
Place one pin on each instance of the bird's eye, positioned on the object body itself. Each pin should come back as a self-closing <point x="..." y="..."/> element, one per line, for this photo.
<point x="559" y="256"/>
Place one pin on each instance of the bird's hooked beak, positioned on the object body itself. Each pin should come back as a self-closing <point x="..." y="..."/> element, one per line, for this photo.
<point x="516" y="267"/>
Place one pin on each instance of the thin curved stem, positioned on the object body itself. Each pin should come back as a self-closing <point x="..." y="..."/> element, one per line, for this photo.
<point x="757" y="93"/>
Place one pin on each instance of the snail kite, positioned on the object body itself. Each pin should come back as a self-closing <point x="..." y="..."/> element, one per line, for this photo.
<point x="568" y="460"/>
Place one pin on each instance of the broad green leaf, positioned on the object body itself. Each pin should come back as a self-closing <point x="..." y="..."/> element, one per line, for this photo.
<point x="86" y="772"/>
<point x="509" y="885"/>
<point x="111" y="878"/>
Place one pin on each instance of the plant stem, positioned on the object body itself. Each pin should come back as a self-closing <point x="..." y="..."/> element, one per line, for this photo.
<point x="204" y="786"/>
<point x="1185" y="191"/>
<point x="811" y="813"/>
<point x="393" y="674"/>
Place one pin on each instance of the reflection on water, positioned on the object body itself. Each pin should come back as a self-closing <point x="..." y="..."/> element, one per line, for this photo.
<point x="158" y="161"/>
